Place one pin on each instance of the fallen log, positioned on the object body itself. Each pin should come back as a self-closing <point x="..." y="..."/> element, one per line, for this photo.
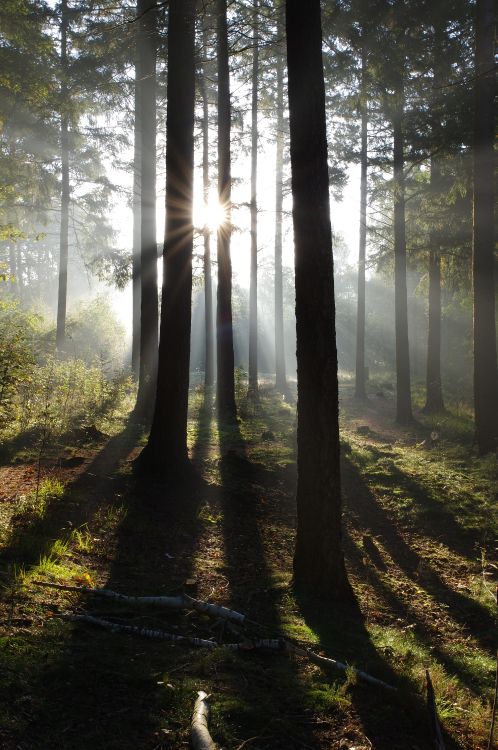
<point x="182" y="601"/>
<point x="199" y="732"/>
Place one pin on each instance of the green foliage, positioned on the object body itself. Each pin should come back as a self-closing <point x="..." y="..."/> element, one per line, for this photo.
<point x="17" y="354"/>
<point x="95" y="335"/>
<point x="50" y="397"/>
<point x="36" y="503"/>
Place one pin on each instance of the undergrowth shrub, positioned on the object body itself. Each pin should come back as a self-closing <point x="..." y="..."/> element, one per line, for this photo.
<point x="48" y="395"/>
<point x="18" y="334"/>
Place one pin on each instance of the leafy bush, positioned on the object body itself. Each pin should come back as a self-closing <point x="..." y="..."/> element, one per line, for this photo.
<point x="94" y="333"/>
<point x="18" y="332"/>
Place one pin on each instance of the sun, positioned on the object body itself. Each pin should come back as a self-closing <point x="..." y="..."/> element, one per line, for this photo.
<point x="211" y="214"/>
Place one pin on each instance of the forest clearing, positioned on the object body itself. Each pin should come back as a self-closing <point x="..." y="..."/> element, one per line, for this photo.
<point x="420" y="521"/>
<point x="248" y="375"/>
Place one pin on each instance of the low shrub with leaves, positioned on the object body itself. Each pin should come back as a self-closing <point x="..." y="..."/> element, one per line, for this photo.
<point x="49" y="396"/>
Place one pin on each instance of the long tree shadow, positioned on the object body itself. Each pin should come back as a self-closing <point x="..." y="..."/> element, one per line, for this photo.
<point x="364" y="568"/>
<point x="92" y="490"/>
<point x="388" y="718"/>
<point x="104" y="690"/>
<point x="428" y="510"/>
<point x="468" y="613"/>
<point x="253" y="589"/>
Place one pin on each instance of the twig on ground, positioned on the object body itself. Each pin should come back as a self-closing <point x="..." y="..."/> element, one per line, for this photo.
<point x="324" y="661"/>
<point x="493" y="711"/>
<point x="246" y="742"/>
<point x="431" y="705"/>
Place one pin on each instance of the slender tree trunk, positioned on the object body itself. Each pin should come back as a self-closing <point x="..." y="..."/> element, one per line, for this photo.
<point x="208" y="282"/>
<point x="166" y="451"/>
<point x="434" y="393"/>
<point x="280" y="375"/>
<point x="318" y="558"/>
<point x="253" y="288"/>
<point x="13" y="268"/>
<point x="135" y="345"/>
<point x="60" y="338"/>
<point x="404" y="414"/>
<point x="360" y="379"/>
<point x="485" y="364"/>
<point x="224" y="330"/>
<point x="147" y="42"/>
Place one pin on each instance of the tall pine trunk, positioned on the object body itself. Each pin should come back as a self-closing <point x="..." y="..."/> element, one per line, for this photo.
<point x="404" y="413"/>
<point x="135" y="340"/>
<point x="318" y="558"/>
<point x="147" y="42"/>
<point x="360" y="376"/>
<point x="280" y="375"/>
<point x="208" y="282"/>
<point x="434" y="392"/>
<point x="225" y="390"/>
<point x="60" y="338"/>
<point x="253" y="287"/>
<point x="485" y="364"/>
<point x="166" y="451"/>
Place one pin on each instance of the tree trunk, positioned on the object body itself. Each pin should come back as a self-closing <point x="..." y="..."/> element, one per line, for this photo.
<point x="360" y="381"/>
<point x="148" y="256"/>
<point x="485" y="365"/>
<point x="280" y="375"/>
<point x="14" y="280"/>
<point x="208" y="283"/>
<point x="318" y="558"/>
<point x="404" y="414"/>
<point x="224" y="330"/>
<point x="60" y="338"/>
<point x="434" y="393"/>
<point x="253" y="288"/>
<point x="135" y="341"/>
<point x="166" y="451"/>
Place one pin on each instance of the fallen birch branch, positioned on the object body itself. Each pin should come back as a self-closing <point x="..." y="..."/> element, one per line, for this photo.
<point x="324" y="661"/>
<point x="172" y="602"/>
<point x="262" y="644"/>
<point x="163" y="635"/>
<point x="431" y="705"/>
<point x="199" y="732"/>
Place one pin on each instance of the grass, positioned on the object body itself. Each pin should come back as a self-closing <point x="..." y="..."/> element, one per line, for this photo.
<point x="420" y="530"/>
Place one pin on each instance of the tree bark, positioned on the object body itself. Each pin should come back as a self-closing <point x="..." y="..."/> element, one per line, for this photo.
<point x="135" y="345"/>
<point x="404" y="413"/>
<point x="360" y="380"/>
<point x="224" y="330"/>
<point x="60" y="337"/>
<point x="318" y="557"/>
<point x="166" y="452"/>
<point x="208" y="283"/>
<point x="483" y="264"/>
<point x="434" y="393"/>
<point x="280" y="374"/>
<point x="253" y="287"/>
<point x="147" y="43"/>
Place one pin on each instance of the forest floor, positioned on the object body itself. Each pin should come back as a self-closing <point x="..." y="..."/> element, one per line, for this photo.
<point x="420" y="534"/>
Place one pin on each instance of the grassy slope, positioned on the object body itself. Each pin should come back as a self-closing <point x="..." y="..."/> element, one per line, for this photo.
<point x="420" y="531"/>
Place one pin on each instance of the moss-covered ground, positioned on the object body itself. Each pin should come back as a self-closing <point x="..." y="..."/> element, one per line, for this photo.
<point x="420" y="531"/>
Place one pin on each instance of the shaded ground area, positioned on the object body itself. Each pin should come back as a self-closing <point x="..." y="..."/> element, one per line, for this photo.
<point x="420" y="537"/>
